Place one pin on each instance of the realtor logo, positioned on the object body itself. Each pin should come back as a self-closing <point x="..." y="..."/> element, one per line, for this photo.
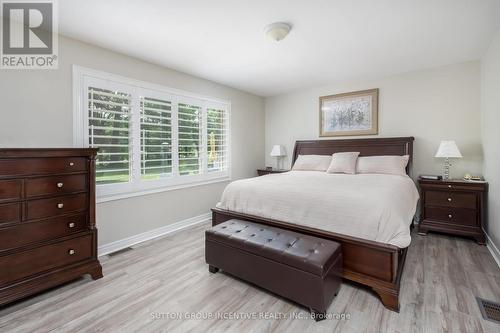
<point x="29" y="34"/>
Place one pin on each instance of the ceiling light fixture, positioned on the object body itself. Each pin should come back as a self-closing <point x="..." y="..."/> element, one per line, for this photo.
<point x="277" y="30"/>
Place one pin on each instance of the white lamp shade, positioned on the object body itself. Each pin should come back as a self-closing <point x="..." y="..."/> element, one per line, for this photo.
<point x="448" y="149"/>
<point x="278" y="150"/>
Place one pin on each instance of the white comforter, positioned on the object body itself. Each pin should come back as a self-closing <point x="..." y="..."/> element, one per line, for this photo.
<point x="374" y="207"/>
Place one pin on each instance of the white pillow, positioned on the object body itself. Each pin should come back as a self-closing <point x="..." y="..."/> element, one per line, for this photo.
<point x="312" y="162"/>
<point x="343" y="163"/>
<point x="392" y="164"/>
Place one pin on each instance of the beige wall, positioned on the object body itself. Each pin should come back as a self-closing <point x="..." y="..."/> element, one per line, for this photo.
<point x="37" y="111"/>
<point x="490" y="107"/>
<point x="431" y="105"/>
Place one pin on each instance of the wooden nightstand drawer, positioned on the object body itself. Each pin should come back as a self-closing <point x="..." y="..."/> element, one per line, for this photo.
<point x="460" y="216"/>
<point x="453" y="186"/>
<point x="450" y="199"/>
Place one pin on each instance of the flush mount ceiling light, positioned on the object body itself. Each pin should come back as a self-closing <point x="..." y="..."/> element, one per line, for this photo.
<point x="277" y="30"/>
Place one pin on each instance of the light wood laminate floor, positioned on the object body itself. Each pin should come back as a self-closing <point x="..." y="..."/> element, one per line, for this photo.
<point x="442" y="276"/>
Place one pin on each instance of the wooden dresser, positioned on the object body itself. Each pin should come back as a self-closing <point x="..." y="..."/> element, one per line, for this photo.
<point x="47" y="219"/>
<point x="453" y="206"/>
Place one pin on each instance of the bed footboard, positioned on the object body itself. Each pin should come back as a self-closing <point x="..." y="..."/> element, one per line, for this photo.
<point x="376" y="265"/>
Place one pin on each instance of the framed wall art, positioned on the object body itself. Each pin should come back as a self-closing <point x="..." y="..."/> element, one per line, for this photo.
<point x="353" y="113"/>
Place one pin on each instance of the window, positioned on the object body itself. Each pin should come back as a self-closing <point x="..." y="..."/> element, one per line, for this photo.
<point x="150" y="138"/>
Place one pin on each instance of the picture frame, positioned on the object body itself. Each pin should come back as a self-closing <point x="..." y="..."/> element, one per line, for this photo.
<point x="352" y="113"/>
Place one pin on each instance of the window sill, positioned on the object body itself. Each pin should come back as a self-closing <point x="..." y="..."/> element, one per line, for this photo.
<point x="126" y="195"/>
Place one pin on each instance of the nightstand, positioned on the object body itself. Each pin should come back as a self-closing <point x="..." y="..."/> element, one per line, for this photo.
<point x="453" y="206"/>
<point x="262" y="172"/>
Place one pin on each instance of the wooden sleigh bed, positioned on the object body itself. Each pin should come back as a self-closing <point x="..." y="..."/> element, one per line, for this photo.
<point x="373" y="264"/>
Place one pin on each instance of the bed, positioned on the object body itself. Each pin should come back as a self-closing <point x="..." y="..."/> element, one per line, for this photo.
<point x="374" y="253"/>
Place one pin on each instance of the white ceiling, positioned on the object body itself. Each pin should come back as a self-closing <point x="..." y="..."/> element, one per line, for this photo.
<point x="331" y="40"/>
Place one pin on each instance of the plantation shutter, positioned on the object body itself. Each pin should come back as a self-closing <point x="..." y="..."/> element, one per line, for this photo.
<point x="217" y="148"/>
<point x="189" y="138"/>
<point x="150" y="138"/>
<point x="109" y="115"/>
<point x="156" y="138"/>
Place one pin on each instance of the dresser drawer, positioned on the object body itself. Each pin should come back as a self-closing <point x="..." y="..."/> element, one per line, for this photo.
<point x="10" y="213"/>
<point x="27" y="233"/>
<point x="42" y="166"/>
<point x="460" y="216"/>
<point x="11" y="189"/>
<point x="450" y="199"/>
<point x="55" y="185"/>
<point x="41" y="208"/>
<point x="453" y="186"/>
<point x="37" y="260"/>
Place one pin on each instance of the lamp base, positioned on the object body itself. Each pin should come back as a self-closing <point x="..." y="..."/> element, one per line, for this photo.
<point x="447" y="166"/>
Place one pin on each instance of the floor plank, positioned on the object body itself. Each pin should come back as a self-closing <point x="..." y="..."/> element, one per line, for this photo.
<point x="442" y="277"/>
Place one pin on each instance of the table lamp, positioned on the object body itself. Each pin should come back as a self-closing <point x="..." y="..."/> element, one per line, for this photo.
<point x="278" y="151"/>
<point x="448" y="149"/>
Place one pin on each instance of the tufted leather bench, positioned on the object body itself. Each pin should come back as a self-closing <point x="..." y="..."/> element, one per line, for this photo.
<point x="302" y="268"/>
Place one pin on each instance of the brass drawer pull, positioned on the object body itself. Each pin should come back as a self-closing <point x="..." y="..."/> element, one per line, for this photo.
<point x="71" y="252"/>
<point x="60" y="185"/>
<point x="71" y="225"/>
<point x="60" y="205"/>
<point x="450" y="216"/>
<point x="449" y="199"/>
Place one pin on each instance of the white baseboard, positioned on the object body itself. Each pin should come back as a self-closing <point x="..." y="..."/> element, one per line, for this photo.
<point x="152" y="234"/>
<point x="493" y="249"/>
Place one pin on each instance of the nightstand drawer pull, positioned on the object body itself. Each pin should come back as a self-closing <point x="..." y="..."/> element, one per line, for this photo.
<point x="450" y="216"/>
<point x="60" y="205"/>
<point x="60" y="185"/>
<point x="71" y="225"/>
<point x="71" y="164"/>
<point x="449" y="199"/>
<point x="71" y="252"/>
<point x="449" y="186"/>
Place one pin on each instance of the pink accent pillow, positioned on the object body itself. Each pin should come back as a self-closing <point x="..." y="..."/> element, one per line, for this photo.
<point x="343" y="163"/>
<point x="391" y="164"/>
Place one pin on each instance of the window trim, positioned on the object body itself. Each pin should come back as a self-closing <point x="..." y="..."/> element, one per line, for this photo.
<point x="109" y="192"/>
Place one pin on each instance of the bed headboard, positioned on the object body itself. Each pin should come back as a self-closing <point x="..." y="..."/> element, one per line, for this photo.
<point x="366" y="147"/>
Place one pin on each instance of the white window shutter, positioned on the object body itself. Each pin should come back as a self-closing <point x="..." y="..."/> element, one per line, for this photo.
<point x="217" y="139"/>
<point x="156" y="138"/>
<point x="189" y="138"/>
<point x="109" y="115"/>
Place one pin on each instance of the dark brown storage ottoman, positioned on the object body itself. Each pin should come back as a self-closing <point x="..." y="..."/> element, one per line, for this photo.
<point x="302" y="268"/>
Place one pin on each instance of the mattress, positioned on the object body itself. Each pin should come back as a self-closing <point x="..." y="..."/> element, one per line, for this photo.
<point x="374" y="207"/>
